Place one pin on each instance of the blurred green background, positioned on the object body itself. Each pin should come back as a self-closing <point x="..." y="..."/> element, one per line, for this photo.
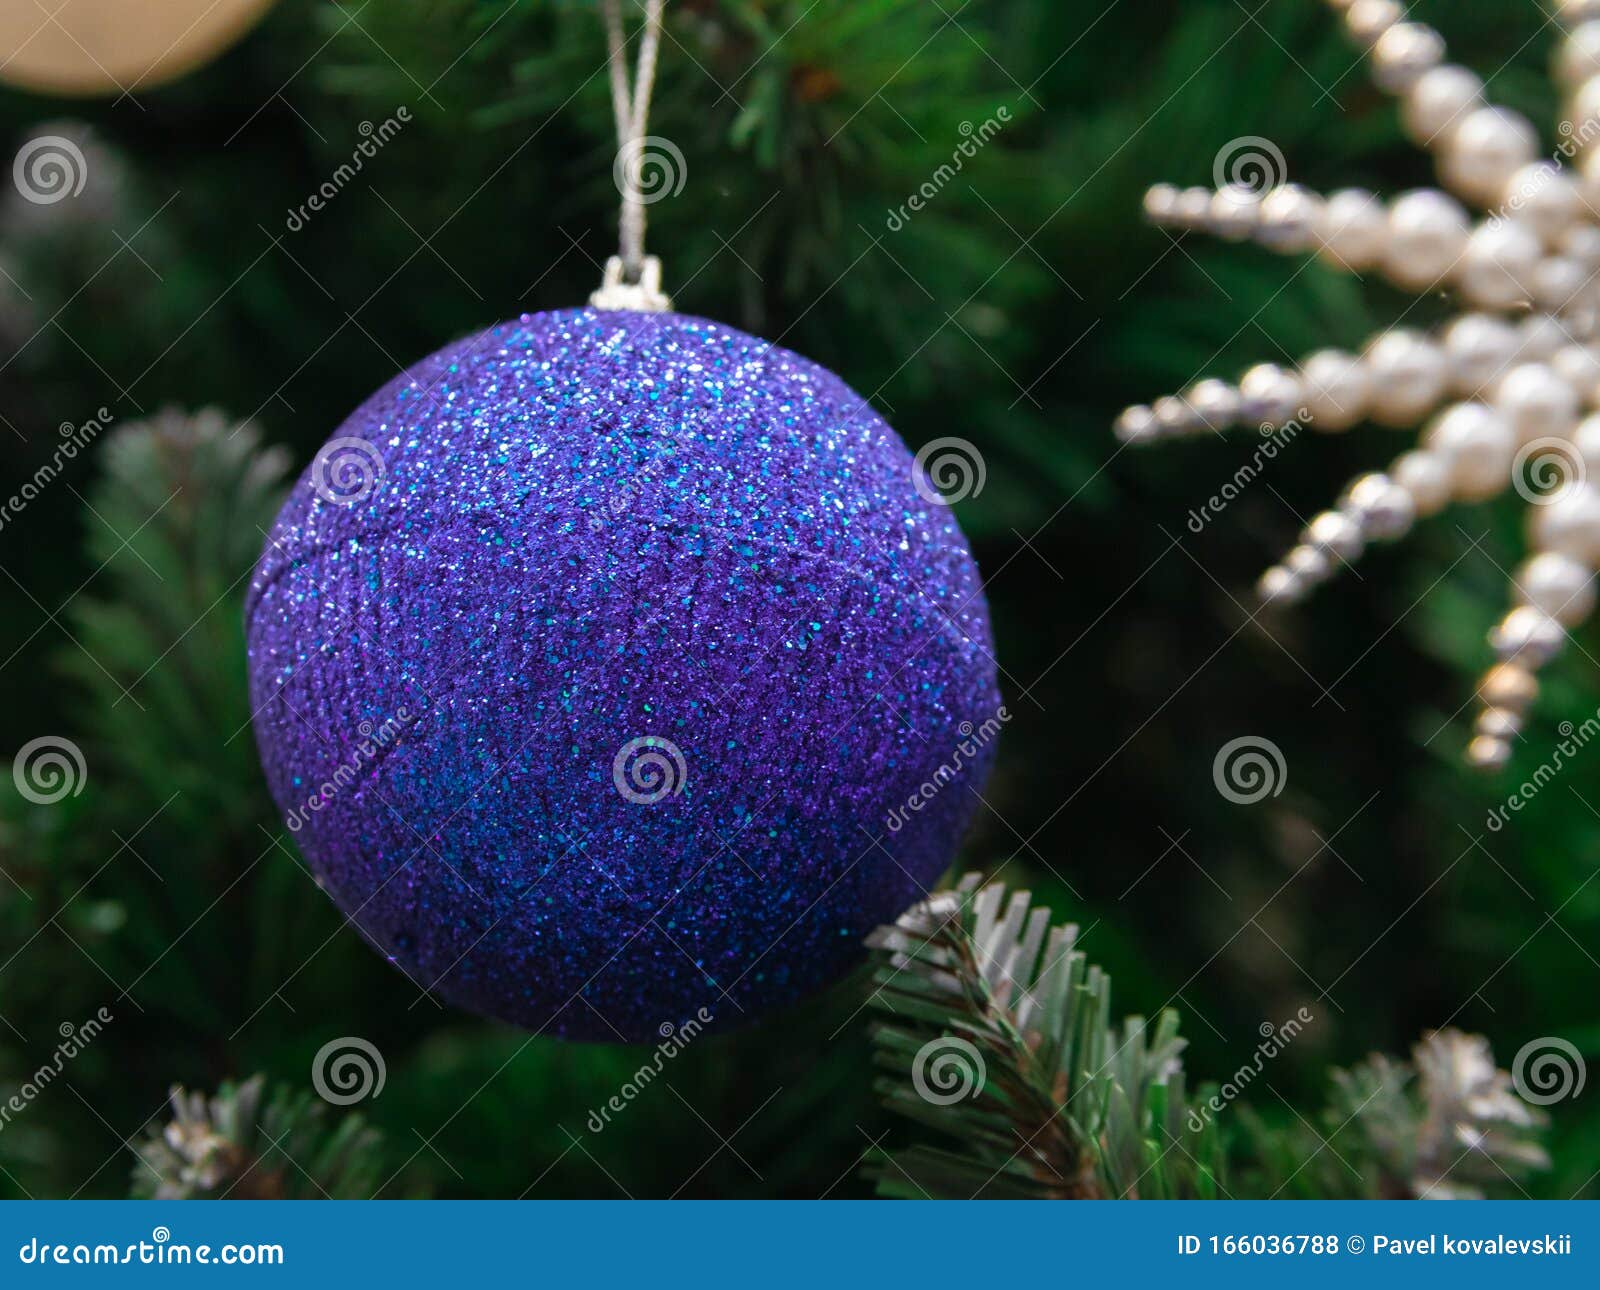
<point x="1020" y="310"/>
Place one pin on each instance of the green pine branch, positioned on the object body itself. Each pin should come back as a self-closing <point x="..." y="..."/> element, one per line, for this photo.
<point x="1001" y="1038"/>
<point x="1446" y="1125"/>
<point x="239" y="1144"/>
<point x="1000" y="1044"/>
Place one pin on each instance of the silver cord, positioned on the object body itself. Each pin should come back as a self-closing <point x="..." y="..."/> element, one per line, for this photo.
<point x="632" y="279"/>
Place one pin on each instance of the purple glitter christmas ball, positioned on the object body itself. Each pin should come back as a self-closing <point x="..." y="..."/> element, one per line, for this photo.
<point x="613" y="669"/>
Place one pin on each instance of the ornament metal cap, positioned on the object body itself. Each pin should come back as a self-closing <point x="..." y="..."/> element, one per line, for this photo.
<point x="644" y="296"/>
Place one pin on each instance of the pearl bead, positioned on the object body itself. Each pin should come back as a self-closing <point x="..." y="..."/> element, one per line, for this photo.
<point x="1338" y="535"/>
<point x="1497" y="265"/>
<point x="1485" y="150"/>
<point x="1539" y="337"/>
<point x="1485" y="753"/>
<point x="1278" y="584"/>
<point x="1290" y="217"/>
<point x="1589" y="179"/>
<point x="1235" y="212"/>
<point x="1586" y="439"/>
<point x="1380" y="507"/>
<point x="1367" y="20"/>
<point x="1479" y="349"/>
<point x="1336" y="389"/>
<point x="1527" y="635"/>
<point x="1508" y="686"/>
<point x="1427" y="233"/>
<point x="1408" y="376"/>
<point x="1426" y="477"/>
<point x="1478" y="447"/>
<point x="1160" y="203"/>
<point x="1308" y="565"/>
<point x="1544" y="198"/>
<point x="1583" y="111"/>
<point x="1557" y="585"/>
<point x="1577" y="57"/>
<point x="1192" y="208"/>
<point x="1498" y="724"/>
<point x="1353" y="230"/>
<point x="1439" y="101"/>
<point x="1581" y="242"/>
<point x="1570" y="523"/>
<point x="1403" y="53"/>
<point x="1175" y="417"/>
<point x="1579" y="367"/>
<point x="1137" y="425"/>
<point x="1215" y="402"/>
<point x="1572" y="12"/>
<point x="1536" y="403"/>
<point x="1269" y="396"/>
<point x="1559" y="282"/>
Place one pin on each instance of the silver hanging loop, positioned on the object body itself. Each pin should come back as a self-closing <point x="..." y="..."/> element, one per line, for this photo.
<point x="632" y="279"/>
<point x="644" y="296"/>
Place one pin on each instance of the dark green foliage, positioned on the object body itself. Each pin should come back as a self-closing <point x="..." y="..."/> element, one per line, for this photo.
<point x="1002" y="1043"/>
<point x="232" y="1146"/>
<point x="1446" y="1125"/>
<point x="1020" y="310"/>
<point x="1048" y="1097"/>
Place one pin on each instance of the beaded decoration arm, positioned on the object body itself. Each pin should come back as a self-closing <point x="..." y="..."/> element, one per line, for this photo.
<point x="1512" y="382"/>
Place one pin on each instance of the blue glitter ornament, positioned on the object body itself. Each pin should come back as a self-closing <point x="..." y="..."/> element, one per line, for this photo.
<point x="610" y="667"/>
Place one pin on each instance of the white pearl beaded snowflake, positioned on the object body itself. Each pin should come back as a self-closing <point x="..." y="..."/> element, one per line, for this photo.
<point x="1519" y="369"/>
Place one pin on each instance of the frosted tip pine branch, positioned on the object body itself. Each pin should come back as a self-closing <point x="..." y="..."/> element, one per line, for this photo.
<point x="1509" y="387"/>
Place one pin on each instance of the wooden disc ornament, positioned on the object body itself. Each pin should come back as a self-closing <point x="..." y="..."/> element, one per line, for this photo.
<point x="95" y="47"/>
